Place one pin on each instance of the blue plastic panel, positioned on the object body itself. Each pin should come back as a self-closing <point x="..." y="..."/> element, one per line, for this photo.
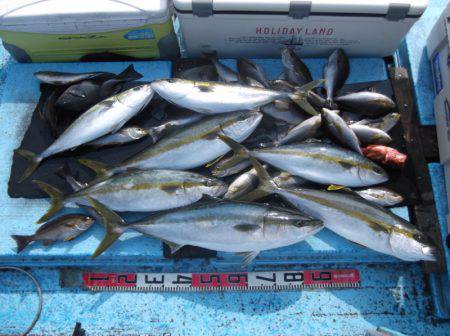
<point x="392" y="297"/>
<point x="20" y="95"/>
<point x="413" y="53"/>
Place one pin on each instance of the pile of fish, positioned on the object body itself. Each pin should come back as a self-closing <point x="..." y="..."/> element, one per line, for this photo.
<point x="258" y="163"/>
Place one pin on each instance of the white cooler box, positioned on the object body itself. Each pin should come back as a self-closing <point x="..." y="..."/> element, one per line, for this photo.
<point x="259" y="28"/>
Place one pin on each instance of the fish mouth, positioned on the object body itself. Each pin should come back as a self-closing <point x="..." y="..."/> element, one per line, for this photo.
<point x="429" y="253"/>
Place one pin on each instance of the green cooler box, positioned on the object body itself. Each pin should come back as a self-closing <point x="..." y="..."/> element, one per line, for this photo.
<point x="67" y="30"/>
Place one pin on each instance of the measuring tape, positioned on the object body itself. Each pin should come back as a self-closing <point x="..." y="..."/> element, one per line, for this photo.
<point x="236" y="281"/>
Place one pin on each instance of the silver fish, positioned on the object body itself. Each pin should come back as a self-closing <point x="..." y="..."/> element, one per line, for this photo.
<point x="336" y="72"/>
<point x="355" y="219"/>
<point x="227" y="226"/>
<point x="63" y="228"/>
<point x="366" y="102"/>
<point x="284" y="110"/>
<point x="249" y="69"/>
<point x="67" y="78"/>
<point x="214" y="98"/>
<point x="296" y="71"/>
<point x="189" y="147"/>
<point x="225" y="73"/>
<point x="340" y="130"/>
<point x="140" y="190"/>
<point x="319" y="162"/>
<point x="369" y="135"/>
<point x="385" y="123"/>
<point x="248" y="181"/>
<point x="381" y="196"/>
<point x="108" y="116"/>
<point x="303" y="131"/>
<point x="123" y="136"/>
<point x="230" y="166"/>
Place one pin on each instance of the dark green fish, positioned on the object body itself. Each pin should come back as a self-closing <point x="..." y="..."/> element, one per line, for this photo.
<point x="63" y="228"/>
<point x="249" y="69"/>
<point x="67" y="78"/>
<point x="366" y="102"/>
<point x="369" y="135"/>
<point x="336" y="72"/>
<point x="295" y="70"/>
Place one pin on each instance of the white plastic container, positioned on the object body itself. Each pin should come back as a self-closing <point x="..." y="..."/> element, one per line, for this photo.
<point x="67" y="30"/>
<point x="438" y="46"/>
<point x="258" y="28"/>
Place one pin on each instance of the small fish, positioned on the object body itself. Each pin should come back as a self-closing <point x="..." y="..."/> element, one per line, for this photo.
<point x="284" y="110"/>
<point x="303" y="131"/>
<point x="140" y="190"/>
<point x="106" y="117"/>
<point x="336" y="72"/>
<point x="248" y="181"/>
<point x="366" y="102"/>
<point x="123" y="136"/>
<point x="369" y="135"/>
<point x="225" y="73"/>
<point x="230" y="166"/>
<point x="67" y="78"/>
<point x="296" y="71"/>
<point x="189" y="147"/>
<point x="385" y="155"/>
<point x="385" y="123"/>
<point x="352" y="217"/>
<point x="340" y="130"/>
<point x="227" y="226"/>
<point x="381" y="196"/>
<point x="63" y="228"/>
<point x="318" y="162"/>
<point x="204" y="73"/>
<point x="81" y="96"/>
<point x="242" y="184"/>
<point x="214" y="98"/>
<point x="249" y="69"/>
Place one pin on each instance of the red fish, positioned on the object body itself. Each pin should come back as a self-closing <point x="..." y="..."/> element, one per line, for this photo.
<point x="385" y="155"/>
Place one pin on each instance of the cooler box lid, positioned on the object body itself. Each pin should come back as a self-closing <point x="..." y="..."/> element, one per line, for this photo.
<point x="63" y="16"/>
<point x="413" y="8"/>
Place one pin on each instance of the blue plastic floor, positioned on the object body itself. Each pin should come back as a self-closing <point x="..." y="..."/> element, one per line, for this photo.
<point x="391" y="295"/>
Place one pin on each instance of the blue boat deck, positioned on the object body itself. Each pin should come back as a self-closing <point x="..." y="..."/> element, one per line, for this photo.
<point x="393" y="294"/>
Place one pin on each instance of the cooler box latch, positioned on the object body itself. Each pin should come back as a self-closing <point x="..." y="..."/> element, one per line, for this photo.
<point x="299" y="9"/>
<point x="202" y="8"/>
<point x="397" y="11"/>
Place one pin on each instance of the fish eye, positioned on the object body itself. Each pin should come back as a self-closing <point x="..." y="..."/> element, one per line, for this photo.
<point x="378" y="170"/>
<point x="421" y="238"/>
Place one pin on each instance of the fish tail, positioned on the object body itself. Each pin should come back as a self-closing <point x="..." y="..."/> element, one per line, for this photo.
<point x="114" y="225"/>
<point x="57" y="200"/>
<point x="129" y="74"/>
<point x="266" y="185"/>
<point x="21" y="241"/>
<point x="34" y="160"/>
<point x="300" y="96"/>
<point x="101" y="169"/>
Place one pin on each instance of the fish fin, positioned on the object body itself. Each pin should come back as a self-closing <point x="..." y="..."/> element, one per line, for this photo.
<point x="213" y="162"/>
<point x="265" y="181"/>
<point x="129" y="74"/>
<point x="101" y="169"/>
<point x="34" y="160"/>
<point x="69" y="238"/>
<point x="174" y="247"/>
<point x="248" y="257"/>
<point x="21" y="241"/>
<point x="47" y="242"/>
<point x="246" y="227"/>
<point x="300" y="96"/>
<point x="113" y="223"/>
<point x="66" y="174"/>
<point x="334" y="187"/>
<point x="57" y="200"/>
